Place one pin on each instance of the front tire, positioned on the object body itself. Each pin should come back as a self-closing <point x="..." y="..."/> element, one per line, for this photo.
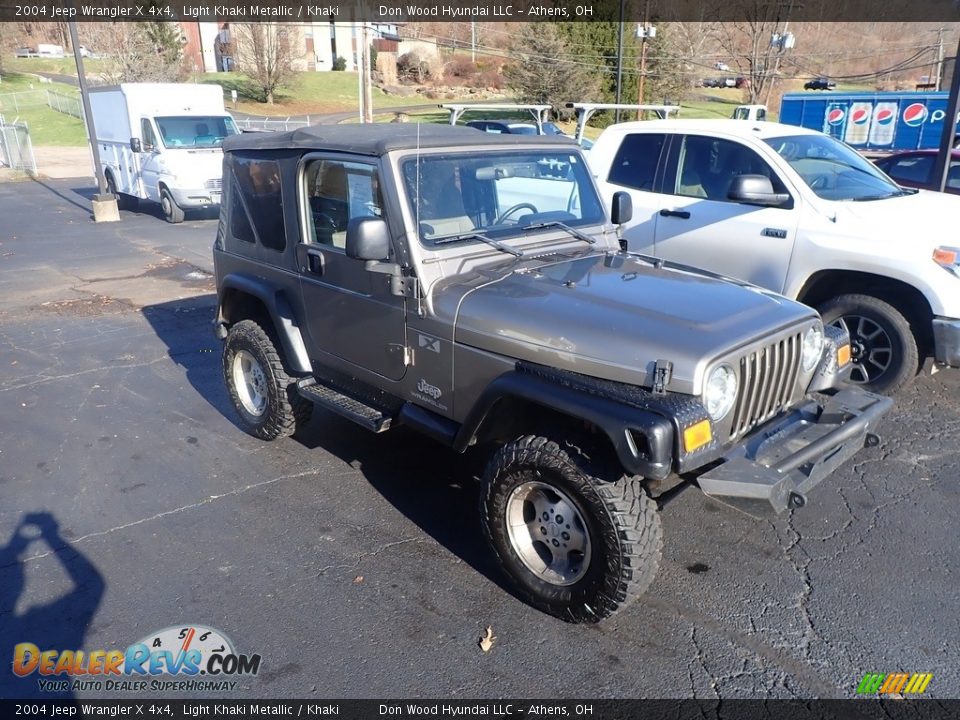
<point x="172" y="212"/>
<point x="883" y="347"/>
<point x="263" y="393"/>
<point x="574" y="544"/>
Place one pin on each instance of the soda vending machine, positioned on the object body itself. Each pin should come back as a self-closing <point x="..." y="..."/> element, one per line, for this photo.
<point x="858" y="123"/>
<point x="883" y="124"/>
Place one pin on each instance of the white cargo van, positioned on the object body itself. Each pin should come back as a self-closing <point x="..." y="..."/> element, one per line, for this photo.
<point x="161" y="142"/>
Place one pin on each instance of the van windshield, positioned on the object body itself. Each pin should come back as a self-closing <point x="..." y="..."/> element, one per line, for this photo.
<point x="195" y="131"/>
<point x="834" y="170"/>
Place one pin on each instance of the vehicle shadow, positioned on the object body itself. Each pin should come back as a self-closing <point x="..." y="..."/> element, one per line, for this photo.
<point x="430" y="484"/>
<point x="142" y="207"/>
<point x="59" y="624"/>
<point x="185" y="328"/>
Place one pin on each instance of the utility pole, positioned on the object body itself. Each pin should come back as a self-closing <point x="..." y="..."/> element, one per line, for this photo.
<point x="104" y="204"/>
<point x="645" y="33"/>
<point x="619" y="60"/>
<point x="938" y="73"/>
<point x="367" y="74"/>
<point x="473" y="41"/>
<point x="942" y="166"/>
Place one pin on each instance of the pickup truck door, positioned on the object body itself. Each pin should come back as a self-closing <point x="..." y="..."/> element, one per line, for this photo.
<point x="697" y="224"/>
<point x="637" y="169"/>
<point x="350" y="311"/>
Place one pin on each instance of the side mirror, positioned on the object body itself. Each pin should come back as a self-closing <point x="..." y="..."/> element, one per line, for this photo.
<point x="368" y="239"/>
<point x="136" y="145"/>
<point x="755" y="190"/>
<point x="622" y="210"/>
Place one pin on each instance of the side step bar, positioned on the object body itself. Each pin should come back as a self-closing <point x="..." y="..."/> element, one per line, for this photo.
<point x="368" y="416"/>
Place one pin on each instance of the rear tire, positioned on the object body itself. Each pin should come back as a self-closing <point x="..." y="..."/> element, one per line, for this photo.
<point x="124" y="201"/>
<point x="883" y="347"/>
<point x="172" y="212"/>
<point x="574" y="544"/>
<point x="262" y="391"/>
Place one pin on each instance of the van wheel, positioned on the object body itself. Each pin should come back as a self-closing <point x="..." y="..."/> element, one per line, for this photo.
<point x="124" y="201"/>
<point x="574" y="544"/>
<point x="263" y="393"/>
<point x="172" y="212"/>
<point x="882" y="346"/>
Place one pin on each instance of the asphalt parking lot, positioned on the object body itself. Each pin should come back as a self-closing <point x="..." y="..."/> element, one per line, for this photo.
<point x="354" y="564"/>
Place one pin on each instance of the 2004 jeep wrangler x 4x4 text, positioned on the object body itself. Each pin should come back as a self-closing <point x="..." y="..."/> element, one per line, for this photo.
<point x="472" y="287"/>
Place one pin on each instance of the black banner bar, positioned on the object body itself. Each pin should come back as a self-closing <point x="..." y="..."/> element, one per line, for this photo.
<point x="387" y="11"/>
<point x="490" y="709"/>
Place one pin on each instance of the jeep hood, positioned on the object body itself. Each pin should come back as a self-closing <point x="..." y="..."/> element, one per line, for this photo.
<point x="614" y="316"/>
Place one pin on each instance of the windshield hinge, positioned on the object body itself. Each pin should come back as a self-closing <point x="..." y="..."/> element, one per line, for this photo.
<point x="662" y="373"/>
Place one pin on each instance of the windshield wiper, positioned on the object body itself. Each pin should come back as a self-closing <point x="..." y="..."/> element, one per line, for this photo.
<point x="563" y="226"/>
<point x="880" y="196"/>
<point x="482" y="238"/>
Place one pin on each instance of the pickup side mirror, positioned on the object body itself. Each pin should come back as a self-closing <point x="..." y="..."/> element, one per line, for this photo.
<point x="755" y="190"/>
<point x="368" y="239"/>
<point x="135" y="145"/>
<point x="622" y="210"/>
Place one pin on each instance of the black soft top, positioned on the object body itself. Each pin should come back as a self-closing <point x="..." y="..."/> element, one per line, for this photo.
<point x="380" y="138"/>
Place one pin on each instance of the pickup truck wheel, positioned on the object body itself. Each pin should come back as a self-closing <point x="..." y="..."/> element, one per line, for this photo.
<point x="172" y="212"/>
<point x="261" y="390"/>
<point x="883" y="348"/>
<point x="574" y="544"/>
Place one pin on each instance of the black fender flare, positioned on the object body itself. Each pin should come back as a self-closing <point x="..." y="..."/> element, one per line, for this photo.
<point x="642" y="439"/>
<point x="281" y="313"/>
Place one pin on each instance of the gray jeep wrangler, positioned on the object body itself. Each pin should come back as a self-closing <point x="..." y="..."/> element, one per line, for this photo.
<point x="471" y="287"/>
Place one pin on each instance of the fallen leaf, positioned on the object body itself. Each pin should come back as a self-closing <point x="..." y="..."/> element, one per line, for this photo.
<point x="358" y="579"/>
<point x="486" y="642"/>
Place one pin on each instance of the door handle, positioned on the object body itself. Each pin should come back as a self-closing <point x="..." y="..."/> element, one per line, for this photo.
<point x="684" y="214"/>
<point x="314" y="261"/>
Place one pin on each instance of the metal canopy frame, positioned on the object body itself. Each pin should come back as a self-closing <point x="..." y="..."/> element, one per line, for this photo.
<point x="539" y="112"/>
<point x="586" y="110"/>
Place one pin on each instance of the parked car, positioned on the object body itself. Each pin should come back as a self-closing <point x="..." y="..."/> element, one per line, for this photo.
<point x="471" y="287"/>
<point x="801" y="213"/>
<point x="915" y="169"/>
<point x="820" y="83"/>
<point x="26" y="52"/>
<point x="721" y="66"/>
<point x="510" y="127"/>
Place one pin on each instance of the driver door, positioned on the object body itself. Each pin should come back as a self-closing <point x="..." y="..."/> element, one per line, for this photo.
<point x="150" y="160"/>
<point x="350" y="311"/>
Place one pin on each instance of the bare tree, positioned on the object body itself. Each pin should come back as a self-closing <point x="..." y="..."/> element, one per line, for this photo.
<point x="264" y="54"/>
<point x="134" y="52"/>
<point x="748" y="42"/>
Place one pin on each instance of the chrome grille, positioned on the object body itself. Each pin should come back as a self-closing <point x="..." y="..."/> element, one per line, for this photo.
<point x="215" y="184"/>
<point x="768" y="376"/>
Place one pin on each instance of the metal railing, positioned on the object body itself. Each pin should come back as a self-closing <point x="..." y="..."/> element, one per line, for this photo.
<point x="270" y="124"/>
<point x="16" y="149"/>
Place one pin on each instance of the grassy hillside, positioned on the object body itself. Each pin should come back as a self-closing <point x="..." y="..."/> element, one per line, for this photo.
<point x="22" y="97"/>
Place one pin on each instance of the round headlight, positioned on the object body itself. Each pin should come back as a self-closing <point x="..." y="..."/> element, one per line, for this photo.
<point x="812" y="348"/>
<point x="720" y="392"/>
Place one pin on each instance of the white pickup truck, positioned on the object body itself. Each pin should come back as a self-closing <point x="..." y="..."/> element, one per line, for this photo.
<point x="798" y="212"/>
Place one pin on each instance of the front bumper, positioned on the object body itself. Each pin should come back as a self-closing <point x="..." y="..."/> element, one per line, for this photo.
<point x="195" y="197"/>
<point x="946" y="341"/>
<point x="776" y="467"/>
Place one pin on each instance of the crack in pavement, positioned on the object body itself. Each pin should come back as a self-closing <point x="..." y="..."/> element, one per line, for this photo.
<point x="175" y="511"/>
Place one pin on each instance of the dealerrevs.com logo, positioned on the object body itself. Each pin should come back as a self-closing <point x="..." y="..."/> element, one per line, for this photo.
<point x="184" y="652"/>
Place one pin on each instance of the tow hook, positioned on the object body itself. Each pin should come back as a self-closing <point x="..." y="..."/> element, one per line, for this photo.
<point x="796" y="500"/>
<point x="871" y="440"/>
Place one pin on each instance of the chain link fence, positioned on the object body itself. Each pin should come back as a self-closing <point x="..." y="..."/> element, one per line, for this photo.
<point x="66" y="104"/>
<point x="16" y="150"/>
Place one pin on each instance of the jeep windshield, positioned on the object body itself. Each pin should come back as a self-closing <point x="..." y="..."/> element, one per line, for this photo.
<point x="833" y="170"/>
<point x="458" y="197"/>
<point x="196" y="131"/>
